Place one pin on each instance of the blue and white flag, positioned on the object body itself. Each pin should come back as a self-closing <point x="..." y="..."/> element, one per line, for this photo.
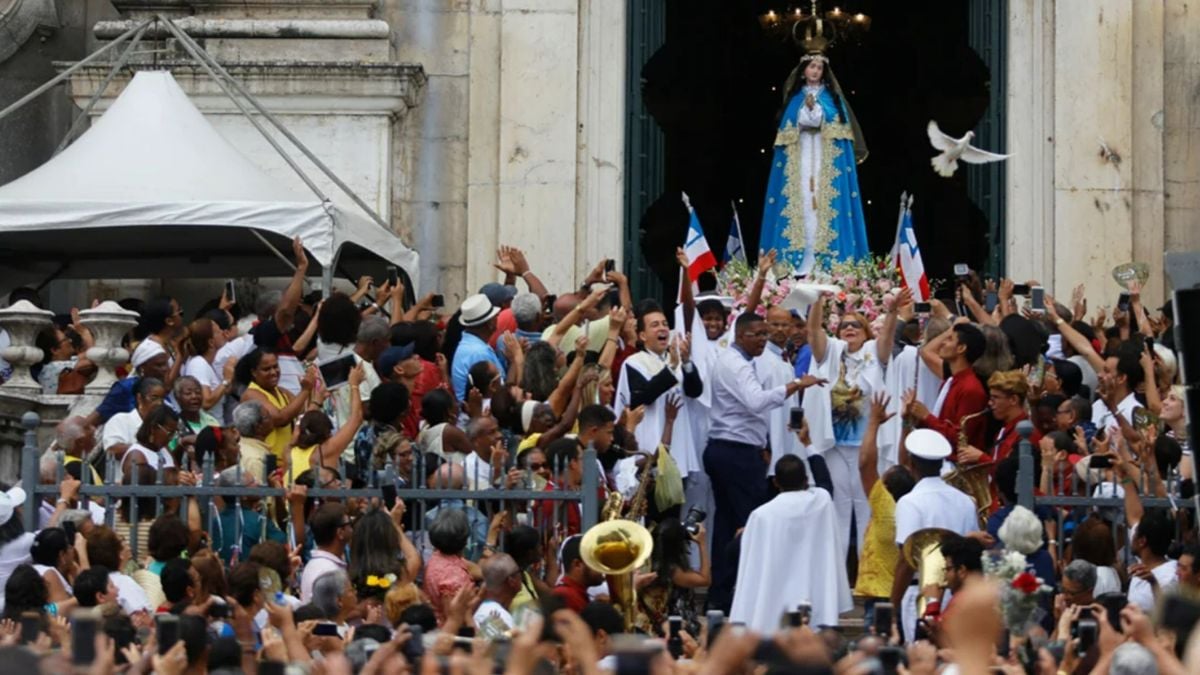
<point x="733" y="245"/>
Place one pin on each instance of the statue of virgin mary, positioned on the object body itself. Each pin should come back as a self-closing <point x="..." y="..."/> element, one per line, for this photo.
<point x="813" y="212"/>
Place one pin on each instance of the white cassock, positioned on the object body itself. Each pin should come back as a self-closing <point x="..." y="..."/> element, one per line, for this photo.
<point x="786" y="559"/>
<point x="904" y="371"/>
<point x="649" y="432"/>
<point x="773" y="371"/>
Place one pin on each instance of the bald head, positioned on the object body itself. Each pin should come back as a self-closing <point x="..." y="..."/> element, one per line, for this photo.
<point x="449" y="476"/>
<point x="564" y="304"/>
<point x="779" y="323"/>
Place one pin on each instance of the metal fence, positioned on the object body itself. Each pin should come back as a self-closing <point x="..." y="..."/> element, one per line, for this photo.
<point x="419" y="496"/>
<point x="1072" y="499"/>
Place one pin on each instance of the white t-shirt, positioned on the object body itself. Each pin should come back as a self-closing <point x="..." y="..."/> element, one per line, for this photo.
<point x="478" y="472"/>
<point x="934" y="503"/>
<point x="12" y="555"/>
<point x="493" y="621"/>
<point x="130" y="595"/>
<point x="153" y="458"/>
<point x="319" y="563"/>
<point x="1103" y="419"/>
<point x="121" y="429"/>
<point x="1141" y="593"/>
<point x="199" y="368"/>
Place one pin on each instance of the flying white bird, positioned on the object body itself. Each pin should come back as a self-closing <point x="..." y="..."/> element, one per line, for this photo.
<point x="954" y="149"/>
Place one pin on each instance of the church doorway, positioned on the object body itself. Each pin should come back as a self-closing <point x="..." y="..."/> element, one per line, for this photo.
<point x="706" y="88"/>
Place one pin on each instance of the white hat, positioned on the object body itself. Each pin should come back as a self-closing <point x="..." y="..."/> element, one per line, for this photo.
<point x="9" y="502"/>
<point x="476" y="311"/>
<point x="927" y="444"/>
<point x="146" y="350"/>
<point x="802" y="296"/>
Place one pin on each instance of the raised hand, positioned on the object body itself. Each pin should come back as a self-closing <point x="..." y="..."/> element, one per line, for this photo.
<point x="765" y="262"/>
<point x="504" y="261"/>
<point x="681" y="257"/>
<point x="298" y="254"/>
<point x="879" y="409"/>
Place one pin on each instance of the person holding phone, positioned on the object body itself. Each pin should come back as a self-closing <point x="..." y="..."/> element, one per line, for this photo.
<point x="477" y="316"/>
<point x="961" y="395"/>
<point x="205" y="339"/>
<point x="259" y="372"/>
<point x="316" y="435"/>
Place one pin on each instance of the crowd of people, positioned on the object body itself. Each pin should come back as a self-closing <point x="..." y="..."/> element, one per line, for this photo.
<point x="781" y="462"/>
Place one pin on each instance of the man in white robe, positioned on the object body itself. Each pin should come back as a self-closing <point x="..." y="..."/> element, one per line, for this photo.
<point x="787" y="558"/>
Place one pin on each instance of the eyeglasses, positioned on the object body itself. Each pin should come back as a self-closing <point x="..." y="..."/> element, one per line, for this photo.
<point x="849" y="324"/>
<point x="759" y="334"/>
<point x="537" y="466"/>
<point x="171" y="433"/>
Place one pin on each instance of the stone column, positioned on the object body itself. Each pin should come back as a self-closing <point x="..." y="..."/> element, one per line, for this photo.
<point x="108" y="322"/>
<point x="23" y="321"/>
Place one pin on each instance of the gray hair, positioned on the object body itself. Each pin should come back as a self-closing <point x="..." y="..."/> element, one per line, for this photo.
<point x="373" y="328"/>
<point x="498" y="569"/>
<point x="267" y="303"/>
<point x="248" y="417"/>
<point x="70" y="430"/>
<point x="77" y="516"/>
<point x="526" y="307"/>
<point x="1081" y="572"/>
<point x="449" y="531"/>
<point x="232" y="477"/>
<point x="328" y="590"/>
<point x="182" y="380"/>
<point x="934" y="327"/>
<point x="475" y="427"/>
<point x="48" y="467"/>
<point x="1132" y="659"/>
<point x="147" y="384"/>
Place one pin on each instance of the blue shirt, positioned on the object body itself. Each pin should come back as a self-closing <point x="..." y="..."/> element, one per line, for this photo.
<point x="478" y="522"/>
<point x="530" y="338"/>
<point x="471" y="350"/>
<point x="252" y="522"/>
<point x="803" y="359"/>
<point x="119" y="398"/>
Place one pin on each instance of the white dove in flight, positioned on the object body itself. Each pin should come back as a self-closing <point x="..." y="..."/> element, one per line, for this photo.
<point x="954" y="149"/>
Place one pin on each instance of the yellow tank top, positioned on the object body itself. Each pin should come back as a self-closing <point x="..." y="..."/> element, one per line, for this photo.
<point x="877" y="568"/>
<point x="279" y="437"/>
<point x="301" y="460"/>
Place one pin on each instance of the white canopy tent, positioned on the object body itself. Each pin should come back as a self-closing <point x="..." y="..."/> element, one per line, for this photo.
<point x="153" y="190"/>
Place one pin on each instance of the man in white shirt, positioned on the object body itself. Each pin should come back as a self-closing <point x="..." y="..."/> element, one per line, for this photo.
<point x="331" y="531"/>
<point x="932" y="503"/>
<point x="501" y="583"/>
<point x="1121" y="376"/>
<point x="484" y="467"/>
<point x="120" y="431"/>
<point x="1154" y="574"/>
<point x="735" y="457"/>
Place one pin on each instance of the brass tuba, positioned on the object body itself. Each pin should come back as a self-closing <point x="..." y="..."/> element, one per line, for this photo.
<point x="923" y="553"/>
<point x="973" y="479"/>
<point x="615" y="548"/>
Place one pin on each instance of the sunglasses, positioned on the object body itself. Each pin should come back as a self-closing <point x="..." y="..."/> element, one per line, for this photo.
<point x="850" y="324"/>
<point x="537" y="466"/>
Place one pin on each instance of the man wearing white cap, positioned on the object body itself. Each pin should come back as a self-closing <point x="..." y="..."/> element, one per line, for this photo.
<point x="478" y="319"/>
<point x="932" y="503"/>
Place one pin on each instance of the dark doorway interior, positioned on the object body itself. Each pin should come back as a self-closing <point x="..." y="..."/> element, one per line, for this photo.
<point x="714" y="88"/>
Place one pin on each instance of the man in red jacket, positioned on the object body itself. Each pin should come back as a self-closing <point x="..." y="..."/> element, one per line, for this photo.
<point x="962" y="394"/>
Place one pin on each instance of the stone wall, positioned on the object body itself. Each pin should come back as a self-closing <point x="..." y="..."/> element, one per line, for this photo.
<point x="1105" y="167"/>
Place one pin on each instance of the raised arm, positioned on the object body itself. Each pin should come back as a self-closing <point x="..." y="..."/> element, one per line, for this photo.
<point x="616" y="321"/>
<point x="929" y="353"/>
<point x="765" y="261"/>
<point x="562" y="393"/>
<point x="574" y="316"/>
<point x="816" y="329"/>
<point x="868" y="467"/>
<point x="285" y="314"/>
<point x="344" y="436"/>
<point x="887" y="334"/>
<point x="686" y="298"/>
<point x="1078" y="342"/>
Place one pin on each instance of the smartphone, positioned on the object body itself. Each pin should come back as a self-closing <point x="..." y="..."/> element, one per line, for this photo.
<point x="550" y="603"/>
<point x="1039" y="371"/>
<point x="804" y="609"/>
<point x="674" y="641"/>
<point x="548" y="302"/>
<point x="610" y="265"/>
<point x="414" y="647"/>
<point x="83" y="637"/>
<point x="272" y="668"/>
<point x="962" y="271"/>
<point x="270" y="465"/>
<point x="990" y="300"/>
<point x="1004" y="645"/>
<point x="1037" y="298"/>
<point x="1123" y="302"/>
<point x="218" y="610"/>
<point x="387" y="490"/>
<point x="166" y="631"/>
<point x="68" y="527"/>
<point x="1020" y="289"/>
<point x="796" y="419"/>
<point x="1113" y="604"/>
<point x="1149" y="344"/>
<point x="438" y="301"/>
<point x="1100" y="462"/>
<point x="335" y="372"/>
<point x="922" y="307"/>
<point x="393" y="276"/>
<point x="326" y="629"/>
<point x="794" y="619"/>
<point x="890" y="660"/>
<point x="1087" y="631"/>
<point x="884" y="613"/>
<point x="31" y="627"/>
<point x="229" y="293"/>
<point x="715" y="620"/>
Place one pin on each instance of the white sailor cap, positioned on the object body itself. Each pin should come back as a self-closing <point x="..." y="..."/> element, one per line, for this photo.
<point x="927" y="444"/>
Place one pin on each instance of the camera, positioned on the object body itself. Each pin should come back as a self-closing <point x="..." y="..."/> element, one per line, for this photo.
<point x="692" y="521"/>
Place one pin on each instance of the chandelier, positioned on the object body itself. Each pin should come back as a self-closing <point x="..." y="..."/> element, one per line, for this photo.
<point x="814" y="29"/>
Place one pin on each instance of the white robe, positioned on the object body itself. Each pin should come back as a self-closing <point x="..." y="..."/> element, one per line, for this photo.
<point x="649" y="431"/>
<point x="904" y="371"/>
<point x="773" y="372"/>
<point x="786" y="559"/>
<point x="818" y="407"/>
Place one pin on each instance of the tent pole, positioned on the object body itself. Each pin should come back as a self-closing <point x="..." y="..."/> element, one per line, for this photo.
<point x="274" y="250"/>
<point x="87" y="109"/>
<point x="288" y="134"/>
<point x="67" y="73"/>
<point x="192" y="50"/>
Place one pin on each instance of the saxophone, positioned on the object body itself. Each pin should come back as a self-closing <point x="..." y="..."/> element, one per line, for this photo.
<point x="637" y="505"/>
<point x="973" y="479"/>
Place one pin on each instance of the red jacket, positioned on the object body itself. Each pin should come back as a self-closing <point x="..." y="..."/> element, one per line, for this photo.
<point x="966" y="396"/>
